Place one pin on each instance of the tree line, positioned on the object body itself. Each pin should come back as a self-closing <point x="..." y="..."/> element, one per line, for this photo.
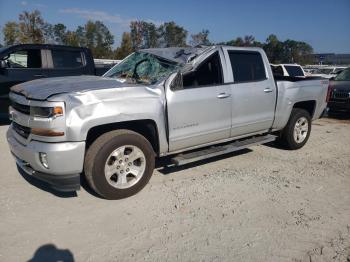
<point x="32" y="28"/>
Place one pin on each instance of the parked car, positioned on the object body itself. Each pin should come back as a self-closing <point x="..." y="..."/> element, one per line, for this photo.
<point x="339" y="92"/>
<point x="157" y="102"/>
<point x="293" y="70"/>
<point x="329" y="71"/>
<point x="20" y="63"/>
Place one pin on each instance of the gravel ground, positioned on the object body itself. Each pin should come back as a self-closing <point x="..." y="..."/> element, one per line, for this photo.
<point x="261" y="204"/>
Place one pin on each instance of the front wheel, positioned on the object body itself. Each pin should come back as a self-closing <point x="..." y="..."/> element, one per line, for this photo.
<point x="119" y="164"/>
<point x="297" y="131"/>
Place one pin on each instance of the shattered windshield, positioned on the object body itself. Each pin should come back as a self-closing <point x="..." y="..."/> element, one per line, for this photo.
<point x="143" y="68"/>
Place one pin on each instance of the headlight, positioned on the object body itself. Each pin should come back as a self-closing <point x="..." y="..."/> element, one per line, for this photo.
<point x="46" y="112"/>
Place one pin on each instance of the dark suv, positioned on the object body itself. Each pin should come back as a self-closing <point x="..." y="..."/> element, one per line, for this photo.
<point x="339" y="96"/>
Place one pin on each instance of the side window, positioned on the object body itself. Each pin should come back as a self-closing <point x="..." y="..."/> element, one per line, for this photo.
<point x="67" y="59"/>
<point x="206" y="74"/>
<point x="247" y="66"/>
<point x="294" y="70"/>
<point x="277" y="70"/>
<point x="26" y="58"/>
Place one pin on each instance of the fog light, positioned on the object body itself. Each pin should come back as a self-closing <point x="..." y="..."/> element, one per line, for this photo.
<point x="43" y="160"/>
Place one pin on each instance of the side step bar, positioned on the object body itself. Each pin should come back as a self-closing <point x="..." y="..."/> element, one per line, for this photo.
<point x="193" y="156"/>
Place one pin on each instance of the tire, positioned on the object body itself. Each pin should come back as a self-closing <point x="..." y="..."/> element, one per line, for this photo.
<point x="287" y="138"/>
<point x="110" y="151"/>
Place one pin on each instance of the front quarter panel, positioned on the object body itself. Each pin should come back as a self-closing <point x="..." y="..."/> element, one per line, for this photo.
<point x="86" y="110"/>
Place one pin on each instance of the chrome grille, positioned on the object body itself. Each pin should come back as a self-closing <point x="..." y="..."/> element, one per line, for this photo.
<point x="340" y="94"/>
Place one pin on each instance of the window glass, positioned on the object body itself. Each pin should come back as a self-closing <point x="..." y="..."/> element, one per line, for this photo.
<point x="294" y="70"/>
<point x="338" y="70"/>
<point x="208" y="73"/>
<point x="29" y="58"/>
<point x="66" y="59"/>
<point x="343" y="76"/>
<point x="277" y="70"/>
<point x="247" y="66"/>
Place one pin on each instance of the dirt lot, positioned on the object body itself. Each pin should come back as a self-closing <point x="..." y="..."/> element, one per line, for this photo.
<point x="263" y="204"/>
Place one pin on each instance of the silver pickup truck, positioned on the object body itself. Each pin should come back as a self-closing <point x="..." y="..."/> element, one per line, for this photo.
<point x="185" y="103"/>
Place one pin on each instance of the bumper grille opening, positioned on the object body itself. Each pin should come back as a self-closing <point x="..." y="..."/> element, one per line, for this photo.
<point x="24" y="109"/>
<point x="21" y="130"/>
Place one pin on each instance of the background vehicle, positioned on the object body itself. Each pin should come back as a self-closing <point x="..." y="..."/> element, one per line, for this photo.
<point x="339" y="92"/>
<point x="329" y="71"/>
<point x="20" y="63"/>
<point x="188" y="103"/>
<point x="293" y="70"/>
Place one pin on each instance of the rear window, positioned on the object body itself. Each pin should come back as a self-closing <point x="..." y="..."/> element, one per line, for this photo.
<point x="294" y="70"/>
<point x="67" y="59"/>
<point x="247" y="66"/>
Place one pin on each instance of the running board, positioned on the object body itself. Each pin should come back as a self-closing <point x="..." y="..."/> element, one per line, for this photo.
<point x="193" y="156"/>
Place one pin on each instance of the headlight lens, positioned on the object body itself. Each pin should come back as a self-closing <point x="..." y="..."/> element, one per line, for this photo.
<point x="46" y="112"/>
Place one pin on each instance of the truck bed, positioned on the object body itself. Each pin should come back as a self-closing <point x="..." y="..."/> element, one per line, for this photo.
<point x="291" y="90"/>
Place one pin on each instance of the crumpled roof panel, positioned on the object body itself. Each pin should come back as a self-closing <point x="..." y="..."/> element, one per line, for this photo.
<point x="177" y="54"/>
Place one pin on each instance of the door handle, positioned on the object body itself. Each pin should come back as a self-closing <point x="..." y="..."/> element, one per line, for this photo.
<point x="268" y="90"/>
<point x="40" y="75"/>
<point x="223" y="95"/>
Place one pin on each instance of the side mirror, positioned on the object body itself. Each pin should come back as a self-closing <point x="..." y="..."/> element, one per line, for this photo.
<point x="177" y="83"/>
<point x="3" y="64"/>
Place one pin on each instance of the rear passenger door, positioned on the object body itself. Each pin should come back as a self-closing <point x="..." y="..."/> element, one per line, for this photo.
<point x="253" y="91"/>
<point x="64" y="62"/>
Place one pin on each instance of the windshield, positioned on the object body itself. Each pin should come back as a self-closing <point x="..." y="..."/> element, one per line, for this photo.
<point x="338" y="70"/>
<point x="294" y="70"/>
<point x="343" y="76"/>
<point x="142" y="67"/>
<point x="326" y="71"/>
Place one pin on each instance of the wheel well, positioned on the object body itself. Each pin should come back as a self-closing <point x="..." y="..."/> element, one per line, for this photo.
<point x="309" y="106"/>
<point x="147" y="128"/>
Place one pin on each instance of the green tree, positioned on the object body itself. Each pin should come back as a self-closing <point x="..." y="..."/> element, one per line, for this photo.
<point x="136" y="34"/>
<point x="297" y="52"/>
<point x="171" y="34"/>
<point x="247" y="40"/>
<point x="201" y="38"/>
<point x="143" y="35"/>
<point x="96" y="36"/>
<point x="60" y="33"/>
<point x="125" y="48"/>
<point x="275" y="50"/>
<point x="48" y="33"/>
<point x="31" y="26"/>
<point x="11" y="33"/>
<point x="71" y="38"/>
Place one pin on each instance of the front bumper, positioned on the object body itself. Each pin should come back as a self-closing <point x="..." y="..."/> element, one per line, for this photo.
<point x="339" y="105"/>
<point x="65" y="161"/>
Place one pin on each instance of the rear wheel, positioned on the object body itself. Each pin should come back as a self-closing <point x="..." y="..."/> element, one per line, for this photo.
<point x="297" y="131"/>
<point x="119" y="164"/>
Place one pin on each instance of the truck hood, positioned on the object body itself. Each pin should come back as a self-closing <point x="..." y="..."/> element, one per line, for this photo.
<point x="42" y="89"/>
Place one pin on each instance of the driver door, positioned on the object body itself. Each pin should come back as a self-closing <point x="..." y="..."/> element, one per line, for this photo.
<point x="200" y="111"/>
